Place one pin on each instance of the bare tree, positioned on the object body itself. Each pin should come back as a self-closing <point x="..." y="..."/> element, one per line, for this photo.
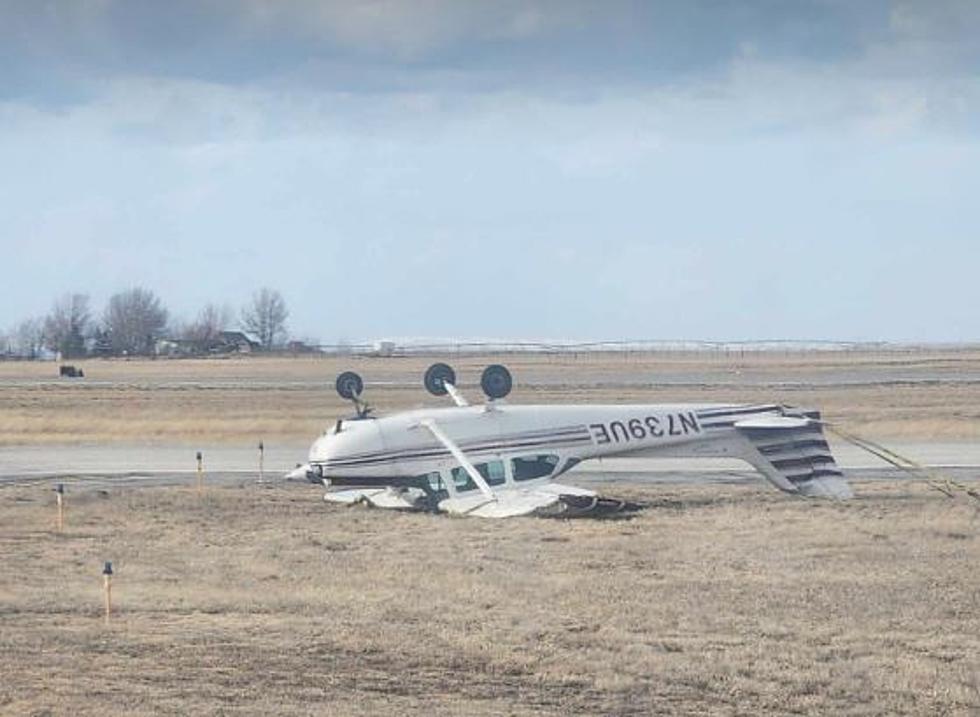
<point x="265" y="317"/>
<point x="27" y="339"/>
<point x="210" y="322"/>
<point x="134" y="320"/>
<point x="65" y="327"/>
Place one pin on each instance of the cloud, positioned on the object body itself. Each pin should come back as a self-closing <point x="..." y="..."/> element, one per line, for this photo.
<point x="545" y="46"/>
<point x="580" y="161"/>
<point x="412" y="31"/>
<point x="691" y="66"/>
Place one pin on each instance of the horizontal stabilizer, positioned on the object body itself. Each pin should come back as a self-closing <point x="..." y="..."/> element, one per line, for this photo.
<point x="793" y="454"/>
<point x="774" y="423"/>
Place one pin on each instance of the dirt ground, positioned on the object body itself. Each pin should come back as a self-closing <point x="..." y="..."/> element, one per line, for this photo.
<point x="256" y="599"/>
<point x="915" y="395"/>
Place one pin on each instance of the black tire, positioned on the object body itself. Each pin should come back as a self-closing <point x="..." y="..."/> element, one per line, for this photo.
<point x="496" y="381"/>
<point x="436" y="378"/>
<point x="349" y="385"/>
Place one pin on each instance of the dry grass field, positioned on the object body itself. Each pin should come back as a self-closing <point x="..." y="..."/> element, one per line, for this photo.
<point x="715" y="600"/>
<point x="919" y="395"/>
<point x="262" y="599"/>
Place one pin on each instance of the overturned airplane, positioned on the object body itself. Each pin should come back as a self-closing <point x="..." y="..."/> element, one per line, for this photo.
<point x="496" y="460"/>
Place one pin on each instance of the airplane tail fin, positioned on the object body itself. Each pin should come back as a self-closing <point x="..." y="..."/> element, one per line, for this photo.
<point x="793" y="454"/>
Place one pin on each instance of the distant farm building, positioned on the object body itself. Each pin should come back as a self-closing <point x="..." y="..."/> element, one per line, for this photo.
<point x="300" y="347"/>
<point x="226" y="342"/>
<point x="237" y="341"/>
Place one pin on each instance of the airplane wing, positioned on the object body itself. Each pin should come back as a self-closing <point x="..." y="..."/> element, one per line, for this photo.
<point x="793" y="454"/>
<point x="397" y="498"/>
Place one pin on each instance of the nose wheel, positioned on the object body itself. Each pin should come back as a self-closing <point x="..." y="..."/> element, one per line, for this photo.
<point x="350" y="386"/>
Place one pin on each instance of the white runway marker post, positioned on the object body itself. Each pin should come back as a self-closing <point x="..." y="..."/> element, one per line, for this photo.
<point x="200" y="472"/>
<point x="60" y="493"/>
<point x="107" y="589"/>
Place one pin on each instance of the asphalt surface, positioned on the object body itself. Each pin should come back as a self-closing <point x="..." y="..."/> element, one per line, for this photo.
<point x="94" y="466"/>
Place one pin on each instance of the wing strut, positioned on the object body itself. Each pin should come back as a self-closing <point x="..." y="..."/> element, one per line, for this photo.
<point x="456" y="395"/>
<point x="460" y="457"/>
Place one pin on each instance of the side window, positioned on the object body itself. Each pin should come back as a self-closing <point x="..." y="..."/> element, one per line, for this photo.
<point x="531" y="467"/>
<point x="492" y="472"/>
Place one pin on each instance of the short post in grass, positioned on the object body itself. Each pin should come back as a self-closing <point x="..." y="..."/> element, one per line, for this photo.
<point x="59" y="491"/>
<point x="107" y="589"/>
<point x="261" y="462"/>
<point x="200" y="472"/>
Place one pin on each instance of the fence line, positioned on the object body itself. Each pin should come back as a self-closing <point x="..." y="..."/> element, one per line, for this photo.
<point x="721" y="348"/>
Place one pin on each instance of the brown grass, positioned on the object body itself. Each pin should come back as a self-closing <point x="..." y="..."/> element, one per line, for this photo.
<point x="716" y="600"/>
<point x="919" y="395"/>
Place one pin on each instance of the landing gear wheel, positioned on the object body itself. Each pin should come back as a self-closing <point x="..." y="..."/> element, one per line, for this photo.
<point x="436" y="378"/>
<point x="349" y="385"/>
<point x="496" y="381"/>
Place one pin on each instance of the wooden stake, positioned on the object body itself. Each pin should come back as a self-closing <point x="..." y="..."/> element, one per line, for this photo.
<point x="107" y="584"/>
<point x="200" y="472"/>
<point x="261" y="462"/>
<point x="60" y="493"/>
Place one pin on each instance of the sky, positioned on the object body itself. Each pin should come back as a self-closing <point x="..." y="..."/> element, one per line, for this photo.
<point x="535" y="169"/>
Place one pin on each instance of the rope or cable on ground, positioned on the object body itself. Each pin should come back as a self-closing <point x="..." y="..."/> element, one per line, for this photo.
<point x="933" y="478"/>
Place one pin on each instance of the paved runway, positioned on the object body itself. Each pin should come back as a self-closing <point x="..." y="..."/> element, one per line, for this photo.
<point x="135" y="465"/>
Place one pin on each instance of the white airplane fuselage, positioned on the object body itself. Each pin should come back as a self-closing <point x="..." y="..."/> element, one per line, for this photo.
<point x="521" y="446"/>
<point x="393" y="446"/>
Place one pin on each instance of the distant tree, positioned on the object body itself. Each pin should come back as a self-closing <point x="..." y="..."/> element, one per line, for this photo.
<point x="101" y="345"/>
<point x="134" y="320"/>
<point x="208" y="325"/>
<point x="65" y="327"/>
<point x="27" y="339"/>
<point x="265" y="317"/>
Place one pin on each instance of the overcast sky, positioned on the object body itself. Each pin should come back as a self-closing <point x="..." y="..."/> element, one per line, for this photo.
<point x="525" y="169"/>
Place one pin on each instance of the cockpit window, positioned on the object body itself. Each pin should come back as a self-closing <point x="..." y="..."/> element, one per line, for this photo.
<point x="531" y="467"/>
<point x="462" y="480"/>
<point x="434" y="479"/>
